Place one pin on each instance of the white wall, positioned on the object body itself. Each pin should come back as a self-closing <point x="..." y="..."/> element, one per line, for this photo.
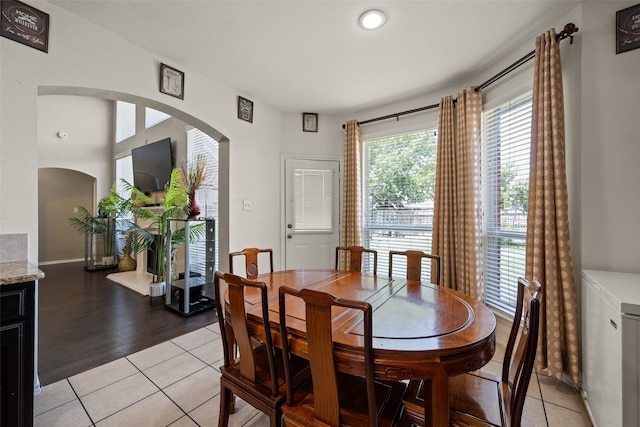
<point x="105" y="64"/>
<point x="88" y="147"/>
<point x="610" y="199"/>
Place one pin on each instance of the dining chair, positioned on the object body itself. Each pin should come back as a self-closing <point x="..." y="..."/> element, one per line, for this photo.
<point x="355" y="257"/>
<point x="251" y="261"/>
<point x="336" y="398"/>
<point x="414" y="264"/>
<point x="478" y="398"/>
<point x="253" y="370"/>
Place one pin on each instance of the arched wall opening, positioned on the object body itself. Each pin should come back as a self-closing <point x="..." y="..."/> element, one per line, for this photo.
<point x="223" y="153"/>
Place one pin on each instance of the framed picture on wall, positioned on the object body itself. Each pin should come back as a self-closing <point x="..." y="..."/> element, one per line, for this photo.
<point x="24" y="24"/>
<point x="628" y="29"/>
<point x="245" y="109"/>
<point x="310" y="122"/>
<point x="171" y="81"/>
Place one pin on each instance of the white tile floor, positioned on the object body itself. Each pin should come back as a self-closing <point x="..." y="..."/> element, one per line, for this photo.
<point x="176" y="383"/>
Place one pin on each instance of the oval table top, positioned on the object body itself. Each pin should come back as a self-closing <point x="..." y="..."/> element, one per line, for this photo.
<point x="417" y="322"/>
<point x="420" y="330"/>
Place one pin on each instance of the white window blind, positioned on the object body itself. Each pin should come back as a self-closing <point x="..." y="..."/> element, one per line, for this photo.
<point x="124" y="170"/>
<point x="199" y="143"/>
<point x="153" y="117"/>
<point x="399" y="187"/>
<point x="506" y="153"/>
<point x="313" y="200"/>
<point x="125" y="120"/>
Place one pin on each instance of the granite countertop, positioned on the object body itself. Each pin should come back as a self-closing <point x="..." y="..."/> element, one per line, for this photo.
<point x="18" y="272"/>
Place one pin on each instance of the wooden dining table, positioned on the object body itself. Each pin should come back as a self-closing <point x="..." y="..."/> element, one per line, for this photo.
<point x="420" y="330"/>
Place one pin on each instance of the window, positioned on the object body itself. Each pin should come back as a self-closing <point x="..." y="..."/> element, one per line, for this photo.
<point x="124" y="170"/>
<point x="313" y="200"/>
<point x="199" y="143"/>
<point x="399" y="187"/>
<point x="125" y="120"/>
<point x="506" y="144"/>
<point x="153" y="117"/>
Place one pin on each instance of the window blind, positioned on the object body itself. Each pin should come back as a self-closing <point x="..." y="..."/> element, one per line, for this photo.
<point x="506" y="155"/>
<point x="124" y="170"/>
<point x="313" y="200"/>
<point x="153" y="117"/>
<point x="125" y="120"/>
<point x="199" y="143"/>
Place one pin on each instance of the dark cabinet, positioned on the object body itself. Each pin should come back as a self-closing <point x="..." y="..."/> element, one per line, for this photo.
<point x="17" y="310"/>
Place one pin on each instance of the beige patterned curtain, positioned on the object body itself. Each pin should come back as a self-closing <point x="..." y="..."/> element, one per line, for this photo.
<point x="549" y="258"/>
<point x="352" y="200"/>
<point x="457" y="217"/>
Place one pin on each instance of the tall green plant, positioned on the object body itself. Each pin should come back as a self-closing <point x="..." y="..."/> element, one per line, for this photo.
<point x="112" y="220"/>
<point x="176" y="205"/>
<point x="104" y="225"/>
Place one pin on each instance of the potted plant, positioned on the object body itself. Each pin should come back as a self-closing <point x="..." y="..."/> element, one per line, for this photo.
<point x="176" y="205"/>
<point x="194" y="176"/>
<point x="113" y="224"/>
<point x="103" y="225"/>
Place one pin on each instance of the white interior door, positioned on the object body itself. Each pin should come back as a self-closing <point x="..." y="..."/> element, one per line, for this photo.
<point x="312" y="229"/>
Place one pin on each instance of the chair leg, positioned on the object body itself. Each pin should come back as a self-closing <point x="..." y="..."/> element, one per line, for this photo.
<point x="275" y="420"/>
<point x="226" y="403"/>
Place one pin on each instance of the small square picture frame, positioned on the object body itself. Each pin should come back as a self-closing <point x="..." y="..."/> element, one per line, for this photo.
<point x="628" y="29"/>
<point x="310" y="122"/>
<point x="245" y="109"/>
<point x="171" y="81"/>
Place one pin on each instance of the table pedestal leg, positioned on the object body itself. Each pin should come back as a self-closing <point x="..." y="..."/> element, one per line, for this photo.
<point x="436" y="399"/>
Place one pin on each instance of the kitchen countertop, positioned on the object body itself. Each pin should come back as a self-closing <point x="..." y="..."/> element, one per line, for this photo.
<point x="19" y="272"/>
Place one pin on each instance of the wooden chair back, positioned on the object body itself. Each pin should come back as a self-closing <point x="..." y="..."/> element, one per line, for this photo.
<point x="234" y="328"/>
<point x="356" y="257"/>
<point x="414" y="264"/>
<point x="518" y="361"/>
<point x="251" y="261"/>
<point x="324" y="374"/>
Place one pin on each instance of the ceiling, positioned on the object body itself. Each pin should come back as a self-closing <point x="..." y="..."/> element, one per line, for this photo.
<point x="302" y="55"/>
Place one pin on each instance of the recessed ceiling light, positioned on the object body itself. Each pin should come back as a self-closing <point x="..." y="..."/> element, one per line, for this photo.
<point x="372" y="19"/>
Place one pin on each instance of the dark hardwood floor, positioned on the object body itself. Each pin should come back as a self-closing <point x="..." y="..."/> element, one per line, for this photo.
<point x="85" y="320"/>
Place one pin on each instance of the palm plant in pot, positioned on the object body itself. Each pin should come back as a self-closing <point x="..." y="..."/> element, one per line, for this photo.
<point x="176" y="205"/>
<point x="112" y="224"/>
<point x="102" y="226"/>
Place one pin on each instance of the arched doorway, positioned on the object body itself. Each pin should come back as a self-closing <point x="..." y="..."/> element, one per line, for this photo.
<point x="223" y="157"/>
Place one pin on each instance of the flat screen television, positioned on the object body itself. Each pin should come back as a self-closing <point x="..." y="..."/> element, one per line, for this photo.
<point x="152" y="165"/>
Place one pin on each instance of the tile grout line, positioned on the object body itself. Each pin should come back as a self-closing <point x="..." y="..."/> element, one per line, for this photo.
<point x="544" y="408"/>
<point x="80" y="401"/>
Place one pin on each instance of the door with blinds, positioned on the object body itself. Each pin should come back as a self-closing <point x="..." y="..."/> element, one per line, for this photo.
<point x="312" y="229"/>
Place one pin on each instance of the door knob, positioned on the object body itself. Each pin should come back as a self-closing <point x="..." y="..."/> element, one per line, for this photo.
<point x="289" y="225"/>
<point x="289" y="236"/>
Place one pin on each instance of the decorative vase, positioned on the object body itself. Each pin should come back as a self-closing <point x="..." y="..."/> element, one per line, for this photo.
<point x="194" y="209"/>
<point x="127" y="263"/>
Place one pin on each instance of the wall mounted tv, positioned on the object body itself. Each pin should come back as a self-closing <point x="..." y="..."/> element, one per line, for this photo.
<point x="152" y="165"/>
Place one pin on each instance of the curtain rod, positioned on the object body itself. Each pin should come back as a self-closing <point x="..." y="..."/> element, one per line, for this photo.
<point x="567" y="32"/>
